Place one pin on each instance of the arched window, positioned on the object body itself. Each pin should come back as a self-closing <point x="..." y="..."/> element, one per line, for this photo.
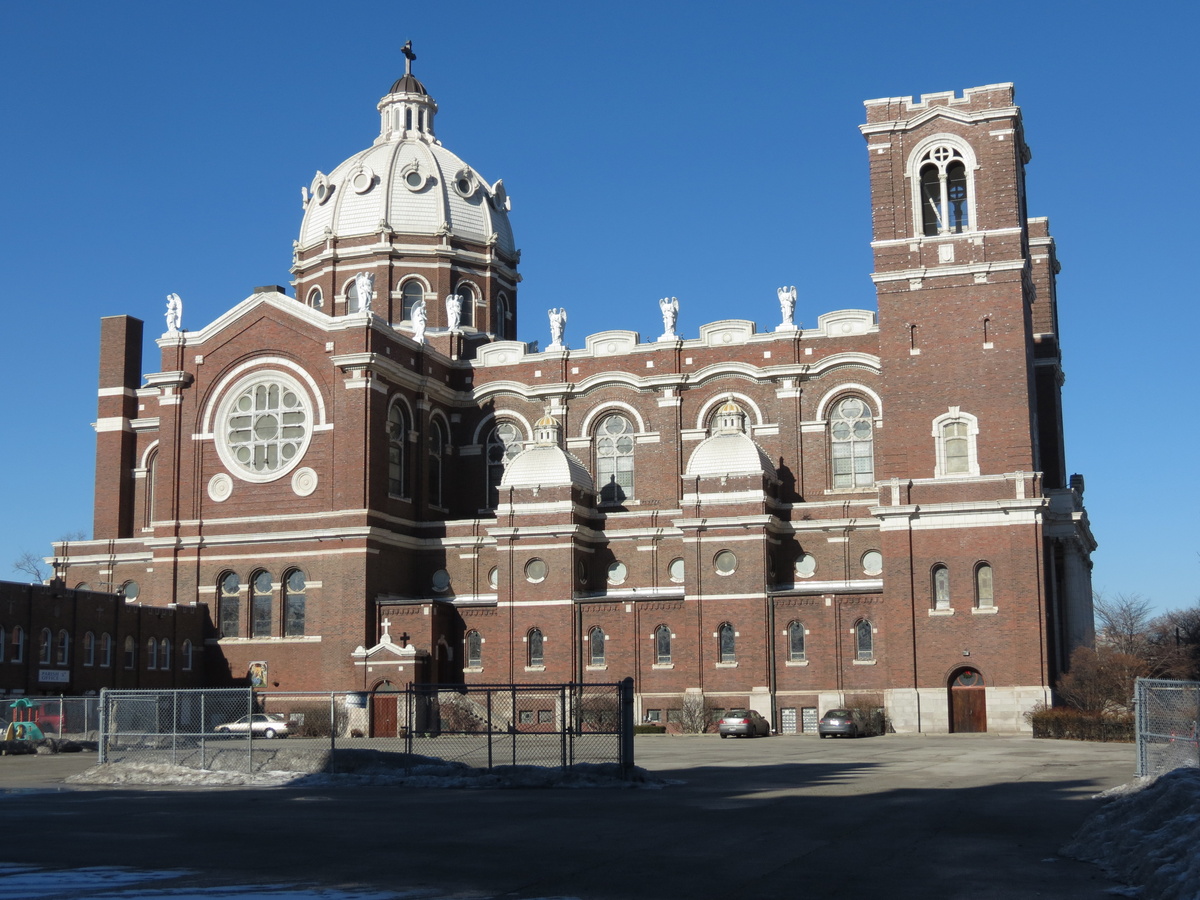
<point x="662" y="646"/>
<point x="437" y="447"/>
<point x="186" y="656"/>
<point x="151" y="473"/>
<point x="89" y="649"/>
<point x="614" y="459"/>
<point x="3" y="642"/>
<point x="18" y="644"/>
<point x="864" y="640"/>
<point x="504" y="442"/>
<point x="941" y="587"/>
<point x="467" y="294"/>
<point x="397" y="430"/>
<point x="596" y="646"/>
<point x="852" y="444"/>
<point x="537" y="654"/>
<point x="726" y="645"/>
<point x="353" y="304"/>
<point x="943" y="191"/>
<point x="474" y="650"/>
<point x="316" y="299"/>
<point x="230" y="606"/>
<point x="164" y="654"/>
<point x="45" y="645"/>
<point x="63" y="657"/>
<point x="106" y="650"/>
<point x="954" y="434"/>
<point x="795" y="636"/>
<point x="262" y="599"/>
<point x="130" y="652"/>
<point x="503" y="314"/>
<point x="410" y="293"/>
<point x="984" y="598"/>
<point x="295" y="587"/>
<point x="151" y="653"/>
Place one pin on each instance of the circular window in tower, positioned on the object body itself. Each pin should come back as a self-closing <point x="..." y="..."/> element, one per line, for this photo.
<point x="441" y="581"/>
<point x="725" y="562"/>
<point x="494" y="577"/>
<point x="872" y="562"/>
<point x="617" y="573"/>
<point x="676" y="570"/>
<point x="263" y="426"/>
<point x="806" y="566"/>
<point x="131" y="590"/>
<point x="536" y="570"/>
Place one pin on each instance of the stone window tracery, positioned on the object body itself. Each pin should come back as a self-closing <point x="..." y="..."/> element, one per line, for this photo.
<point x="943" y="191"/>
<point x="596" y="646"/>
<point x="984" y="591"/>
<point x="795" y="636"/>
<point x="614" y="459"/>
<point x="264" y="425"/>
<point x="504" y="442"/>
<point x="294" y="603"/>
<point x="864" y="640"/>
<point x="852" y="444"/>
<point x="397" y="430"/>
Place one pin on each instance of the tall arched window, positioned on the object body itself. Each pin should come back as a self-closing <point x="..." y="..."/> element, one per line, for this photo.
<point x="106" y="650"/>
<point x="596" y="646"/>
<point x="89" y="649"/>
<point x="943" y="191"/>
<point x="437" y="447"/>
<point x="662" y="646"/>
<point x="18" y="644"/>
<point x="474" y="650"/>
<point x="151" y="478"/>
<point x="397" y="429"/>
<point x="3" y="643"/>
<point x="151" y="653"/>
<point x="315" y="298"/>
<point x="467" y="294"/>
<point x="230" y="606"/>
<point x="130" y="652"/>
<point x="295" y="602"/>
<point x="852" y="444"/>
<point x="45" y="645"/>
<point x="503" y="314"/>
<point x="726" y="644"/>
<point x="262" y="600"/>
<point x="186" y="656"/>
<point x="864" y="640"/>
<point x="353" y="303"/>
<point x="795" y="636"/>
<point x="984" y="597"/>
<point x="941" y="587"/>
<point x="63" y="657"/>
<point x="164" y="654"/>
<point x="410" y="293"/>
<point x="503" y="443"/>
<point x="954" y="434"/>
<point x="614" y="459"/>
<point x="537" y="654"/>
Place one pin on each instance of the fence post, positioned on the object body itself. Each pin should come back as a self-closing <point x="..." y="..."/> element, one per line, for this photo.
<point x="625" y="692"/>
<point x="491" y="727"/>
<point x="332" y="724"/>
<point x="174" y="727"/>
<point x="103" y="732"/>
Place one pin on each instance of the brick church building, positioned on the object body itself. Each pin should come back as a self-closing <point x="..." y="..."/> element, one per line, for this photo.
<point x="370" y="479"/>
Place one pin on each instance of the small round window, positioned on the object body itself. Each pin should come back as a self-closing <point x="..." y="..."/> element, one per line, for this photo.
<point x="725" y="562"/>
<point x="441" y="580"/>
<point x="581" y="571"/>
<point x="872" y="562"/>
<point x="806" y="565"/>
<point x="617" y="573"/>
<point x="131" y="589"/>
<point x="262" y="583"/>
<point x="414" y="180"/>
<point x="295" y="581"/>
<point x="535" y="570"/>
<point x="463" y="186"/>
<point x="676" y="570"/>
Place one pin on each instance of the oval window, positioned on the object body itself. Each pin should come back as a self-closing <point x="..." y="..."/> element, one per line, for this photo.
<point x="535" y="570"/>
<point x="725" y="562"/>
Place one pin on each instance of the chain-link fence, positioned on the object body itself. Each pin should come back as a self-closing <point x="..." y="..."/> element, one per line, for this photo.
<point x="1167" y="716"/>
<point x="67" y="718"/>
<point x="480" y="726"/>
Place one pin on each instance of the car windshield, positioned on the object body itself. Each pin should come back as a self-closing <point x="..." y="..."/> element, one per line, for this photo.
<point x="737" y="714"/>
<point x="839" y="713"/>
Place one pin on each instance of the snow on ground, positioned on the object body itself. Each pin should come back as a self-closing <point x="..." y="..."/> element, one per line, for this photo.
<point x="423" y="773"/>
<point x="1148" y="833"/>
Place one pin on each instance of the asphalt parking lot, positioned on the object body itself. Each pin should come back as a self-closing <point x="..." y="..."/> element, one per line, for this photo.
<point x="979" y="816"/>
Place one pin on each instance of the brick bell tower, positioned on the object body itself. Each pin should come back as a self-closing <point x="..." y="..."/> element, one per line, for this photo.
<point x="969" y="452"/>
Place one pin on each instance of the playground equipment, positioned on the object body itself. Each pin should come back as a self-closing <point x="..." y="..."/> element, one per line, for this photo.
<point x="23" y="727"/>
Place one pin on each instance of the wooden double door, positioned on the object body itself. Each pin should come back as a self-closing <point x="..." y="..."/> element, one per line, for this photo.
<point x="968" y="703"/>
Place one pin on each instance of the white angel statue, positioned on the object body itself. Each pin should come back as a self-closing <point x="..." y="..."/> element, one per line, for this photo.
<point x="419" y="318"/>
<point x="787" y="307"/>
<point x="174" y="313"/>
<point x="364" y="284"/>
<point x="669" y="306"/>
<point x="453" y="311"/>
<point x="558" y="323"/>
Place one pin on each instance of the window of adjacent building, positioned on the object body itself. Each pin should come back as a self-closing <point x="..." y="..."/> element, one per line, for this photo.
<point x="545" y="717"/>
<point x="614" y="459"/>
<point x="795" y="636"/>
<point x="474" y="650"/>
<point x="106" y="650"/>
<point x="537" y="655"/>
<point x="45" y="646"/>
<point x="983" y="586"/>
<point x="412" y="292"/>
<point x="130" y="652"/>
<point x="151" y="653"/>
<point x="526" y="717"/>
<point x="164" y="654"/>
<point x="295" y="587"/>
<point x="852" y="444"/>
<point x="662" y="646"/>
<point x="18" y="644"/>
<point x="63" y="656"/>
<point x="864" y="640"/>
<point x="504" y="442"/>
<point x="397" y="430"/>
<point x="230" y="606"/>
<point x="596" y="646"/>
<point x="185" y="654"/>
<point x="437" y="448"/>
<point x="654" y="716"/>
<point x="726" y="644"/>
<point x="467" y="294"/>
<point x="941" y="587"/>
<point x="943" y="191"/>
<point x="261" y="601"/>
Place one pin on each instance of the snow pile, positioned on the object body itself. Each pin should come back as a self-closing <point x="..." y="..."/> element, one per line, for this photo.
<point x="1147" y="834"/>
<point x="419" y="774"/>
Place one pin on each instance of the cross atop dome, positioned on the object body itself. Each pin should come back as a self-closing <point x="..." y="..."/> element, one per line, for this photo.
<point x="409" y="57"/>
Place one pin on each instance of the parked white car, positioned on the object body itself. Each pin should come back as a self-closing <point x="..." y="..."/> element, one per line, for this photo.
<point x="264" y="725"/>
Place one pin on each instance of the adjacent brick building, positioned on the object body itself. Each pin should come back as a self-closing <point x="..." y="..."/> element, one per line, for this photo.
<point x="875" y="507"/>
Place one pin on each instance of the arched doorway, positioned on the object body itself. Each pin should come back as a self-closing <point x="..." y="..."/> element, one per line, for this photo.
<point x="385" y="710"/>
<point x="968" y="702"/>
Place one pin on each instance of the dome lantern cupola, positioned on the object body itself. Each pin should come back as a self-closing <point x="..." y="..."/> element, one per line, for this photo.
<point x="407" y="111"/>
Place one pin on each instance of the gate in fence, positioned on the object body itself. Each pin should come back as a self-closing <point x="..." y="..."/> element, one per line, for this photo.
<point x="1167" y="717"/>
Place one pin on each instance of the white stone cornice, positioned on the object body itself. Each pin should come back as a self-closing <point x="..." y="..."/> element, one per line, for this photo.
<point x="923" y="272"/>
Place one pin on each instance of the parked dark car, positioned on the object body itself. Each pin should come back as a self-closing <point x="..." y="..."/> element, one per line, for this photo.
<point x="842" y="722"/>
<point x="745" y="722"/>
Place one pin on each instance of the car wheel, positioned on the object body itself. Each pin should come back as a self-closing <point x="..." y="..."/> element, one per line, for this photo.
<point x="723" y="736"/>
<point x="822" y="736"/>
<point x="269" y="733"/>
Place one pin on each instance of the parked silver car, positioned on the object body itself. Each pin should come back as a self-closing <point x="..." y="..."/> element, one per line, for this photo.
<point x="745" y="722"/>
<point x="844" y="722"/>
<point x="264" y="725"/>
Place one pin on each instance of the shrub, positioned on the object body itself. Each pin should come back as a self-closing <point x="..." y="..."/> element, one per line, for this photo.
<point x="870" y="707"/>
<point x="312" y="720"/>
<point x="649" y="729"/>
<point x="1059" y="723"/>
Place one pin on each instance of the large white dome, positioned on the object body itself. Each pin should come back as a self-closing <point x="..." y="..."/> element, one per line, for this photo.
<point x="407" y="181"/>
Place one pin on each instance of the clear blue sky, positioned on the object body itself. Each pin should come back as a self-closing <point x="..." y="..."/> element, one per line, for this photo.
<point x="708" y="151"/>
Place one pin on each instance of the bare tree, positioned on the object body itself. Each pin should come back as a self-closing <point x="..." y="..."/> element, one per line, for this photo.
<point x="695" y="713"/>
<point x="1101" y="680"/>
<point x="31" y="564"/>
<point x="1123" y="623"/>
<point x="1174" y="639"/>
